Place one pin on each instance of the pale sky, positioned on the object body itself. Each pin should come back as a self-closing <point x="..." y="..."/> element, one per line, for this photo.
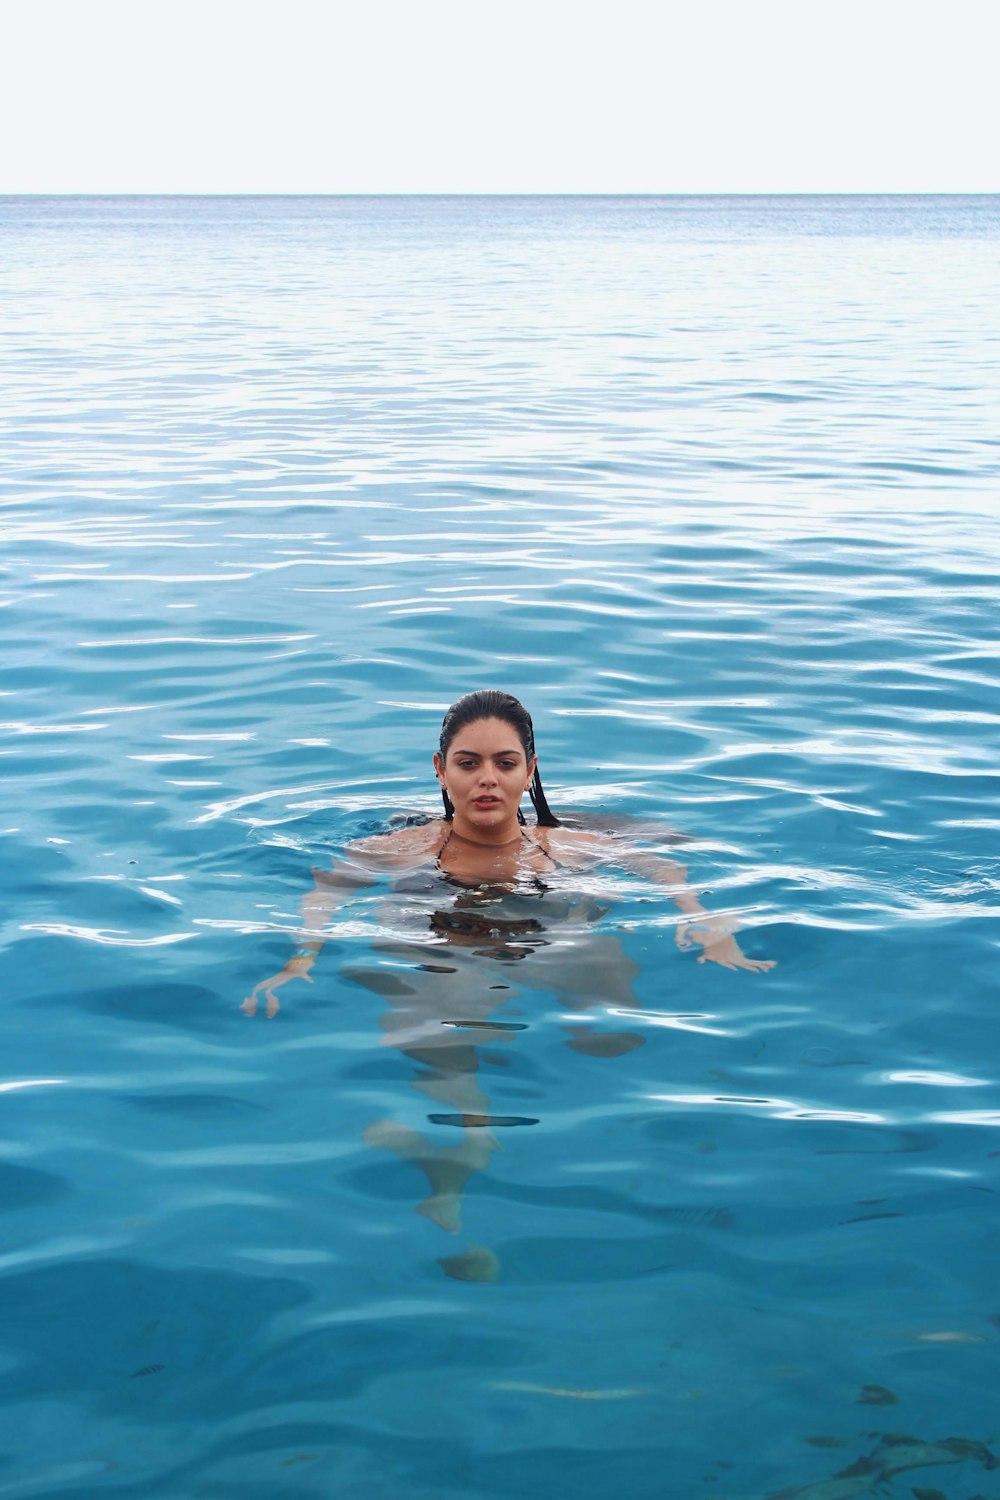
<point x="478" y="96"/>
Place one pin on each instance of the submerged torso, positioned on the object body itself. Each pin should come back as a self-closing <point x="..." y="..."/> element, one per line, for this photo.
<point x="498" y="903"/>
<point x="534" y="910"/>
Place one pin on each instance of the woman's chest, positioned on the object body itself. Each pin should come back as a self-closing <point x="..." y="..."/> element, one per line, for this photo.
<point x="476" y="867"/>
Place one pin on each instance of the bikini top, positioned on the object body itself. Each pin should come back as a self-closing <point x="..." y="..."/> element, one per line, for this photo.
<point x="497" y="913"/>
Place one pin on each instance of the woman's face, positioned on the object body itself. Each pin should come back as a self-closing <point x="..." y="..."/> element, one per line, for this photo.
<point x="486" y="773"/>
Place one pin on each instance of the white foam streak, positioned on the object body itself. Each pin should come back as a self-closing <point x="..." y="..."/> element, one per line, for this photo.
<point x="777" y="1109"/>
<point x="108" y="937"/>
<point x="13" y="1085"/>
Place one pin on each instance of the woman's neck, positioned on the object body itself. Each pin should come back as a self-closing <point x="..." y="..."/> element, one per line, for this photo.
<point x="498" y="838"/>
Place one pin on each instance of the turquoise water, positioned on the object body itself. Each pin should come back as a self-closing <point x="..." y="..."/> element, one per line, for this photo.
<point x="709" y="483"/>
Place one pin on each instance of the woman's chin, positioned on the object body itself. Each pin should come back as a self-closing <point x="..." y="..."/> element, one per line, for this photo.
<point x="489" y="819"/>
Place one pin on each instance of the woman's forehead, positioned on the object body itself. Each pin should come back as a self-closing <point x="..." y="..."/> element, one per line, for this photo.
<point x="487" y="737"/>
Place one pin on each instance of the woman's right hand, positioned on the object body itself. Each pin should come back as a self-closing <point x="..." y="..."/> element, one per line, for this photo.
<point x="296" y="968"/>
<point x="727" y="952"/>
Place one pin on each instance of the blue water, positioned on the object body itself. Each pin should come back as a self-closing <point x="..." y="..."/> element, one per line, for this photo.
<point x="712" y="485"/>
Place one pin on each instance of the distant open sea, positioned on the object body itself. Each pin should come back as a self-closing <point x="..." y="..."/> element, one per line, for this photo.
<point x="713" y="485"/>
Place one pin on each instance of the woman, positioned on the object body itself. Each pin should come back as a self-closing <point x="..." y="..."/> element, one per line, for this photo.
<point x="475" y="892"/>
<point x="485" y="763"/>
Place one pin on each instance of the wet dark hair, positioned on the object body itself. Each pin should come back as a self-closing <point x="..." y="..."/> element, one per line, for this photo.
<point x="492" y="704"/>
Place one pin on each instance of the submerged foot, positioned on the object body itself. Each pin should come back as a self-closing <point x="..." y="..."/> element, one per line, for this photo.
<point x="475" y="1264"/>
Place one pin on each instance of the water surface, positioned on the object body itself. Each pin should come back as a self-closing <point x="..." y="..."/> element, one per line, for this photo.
<point x="711" y="485"/>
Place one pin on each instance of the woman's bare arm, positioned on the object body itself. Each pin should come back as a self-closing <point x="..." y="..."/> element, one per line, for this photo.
<point x="366" y="860"/>
<point x="713" y="934"/>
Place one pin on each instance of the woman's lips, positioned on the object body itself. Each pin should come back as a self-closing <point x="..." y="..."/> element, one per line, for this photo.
<point x="487" y="802"/>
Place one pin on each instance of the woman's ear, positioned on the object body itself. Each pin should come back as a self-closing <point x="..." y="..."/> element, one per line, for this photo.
<point x="439" y="768"/>
<point x="532" y="768"/>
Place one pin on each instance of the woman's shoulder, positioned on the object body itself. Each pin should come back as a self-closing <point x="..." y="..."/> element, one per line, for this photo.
<point x="573" y="845"/>
<point x="590" y="836"/>
<point x="401" y="848"/>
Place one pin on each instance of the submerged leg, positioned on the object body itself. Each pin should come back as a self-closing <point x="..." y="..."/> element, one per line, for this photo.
<point x="603" y="1043"/>
<point x="592" y="972"/>
<point x="424" y="1021"/>
<point x="447" y="1171"/>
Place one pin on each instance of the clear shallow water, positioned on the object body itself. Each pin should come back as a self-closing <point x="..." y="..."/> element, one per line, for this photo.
<point x="711" y="484"/>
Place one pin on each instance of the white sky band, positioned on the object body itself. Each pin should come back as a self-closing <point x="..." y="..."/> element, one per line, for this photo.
<point x="215" y="96"/>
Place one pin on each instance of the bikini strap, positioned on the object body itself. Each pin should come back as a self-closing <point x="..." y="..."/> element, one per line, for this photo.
<point x="541" y="849"/>
<point x="447" y="841"/>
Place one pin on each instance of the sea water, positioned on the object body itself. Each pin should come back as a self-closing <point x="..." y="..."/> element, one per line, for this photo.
<point x="711" y="484"/>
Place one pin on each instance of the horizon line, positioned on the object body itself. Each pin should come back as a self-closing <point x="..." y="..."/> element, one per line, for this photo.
<point x="512" y="193"/>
